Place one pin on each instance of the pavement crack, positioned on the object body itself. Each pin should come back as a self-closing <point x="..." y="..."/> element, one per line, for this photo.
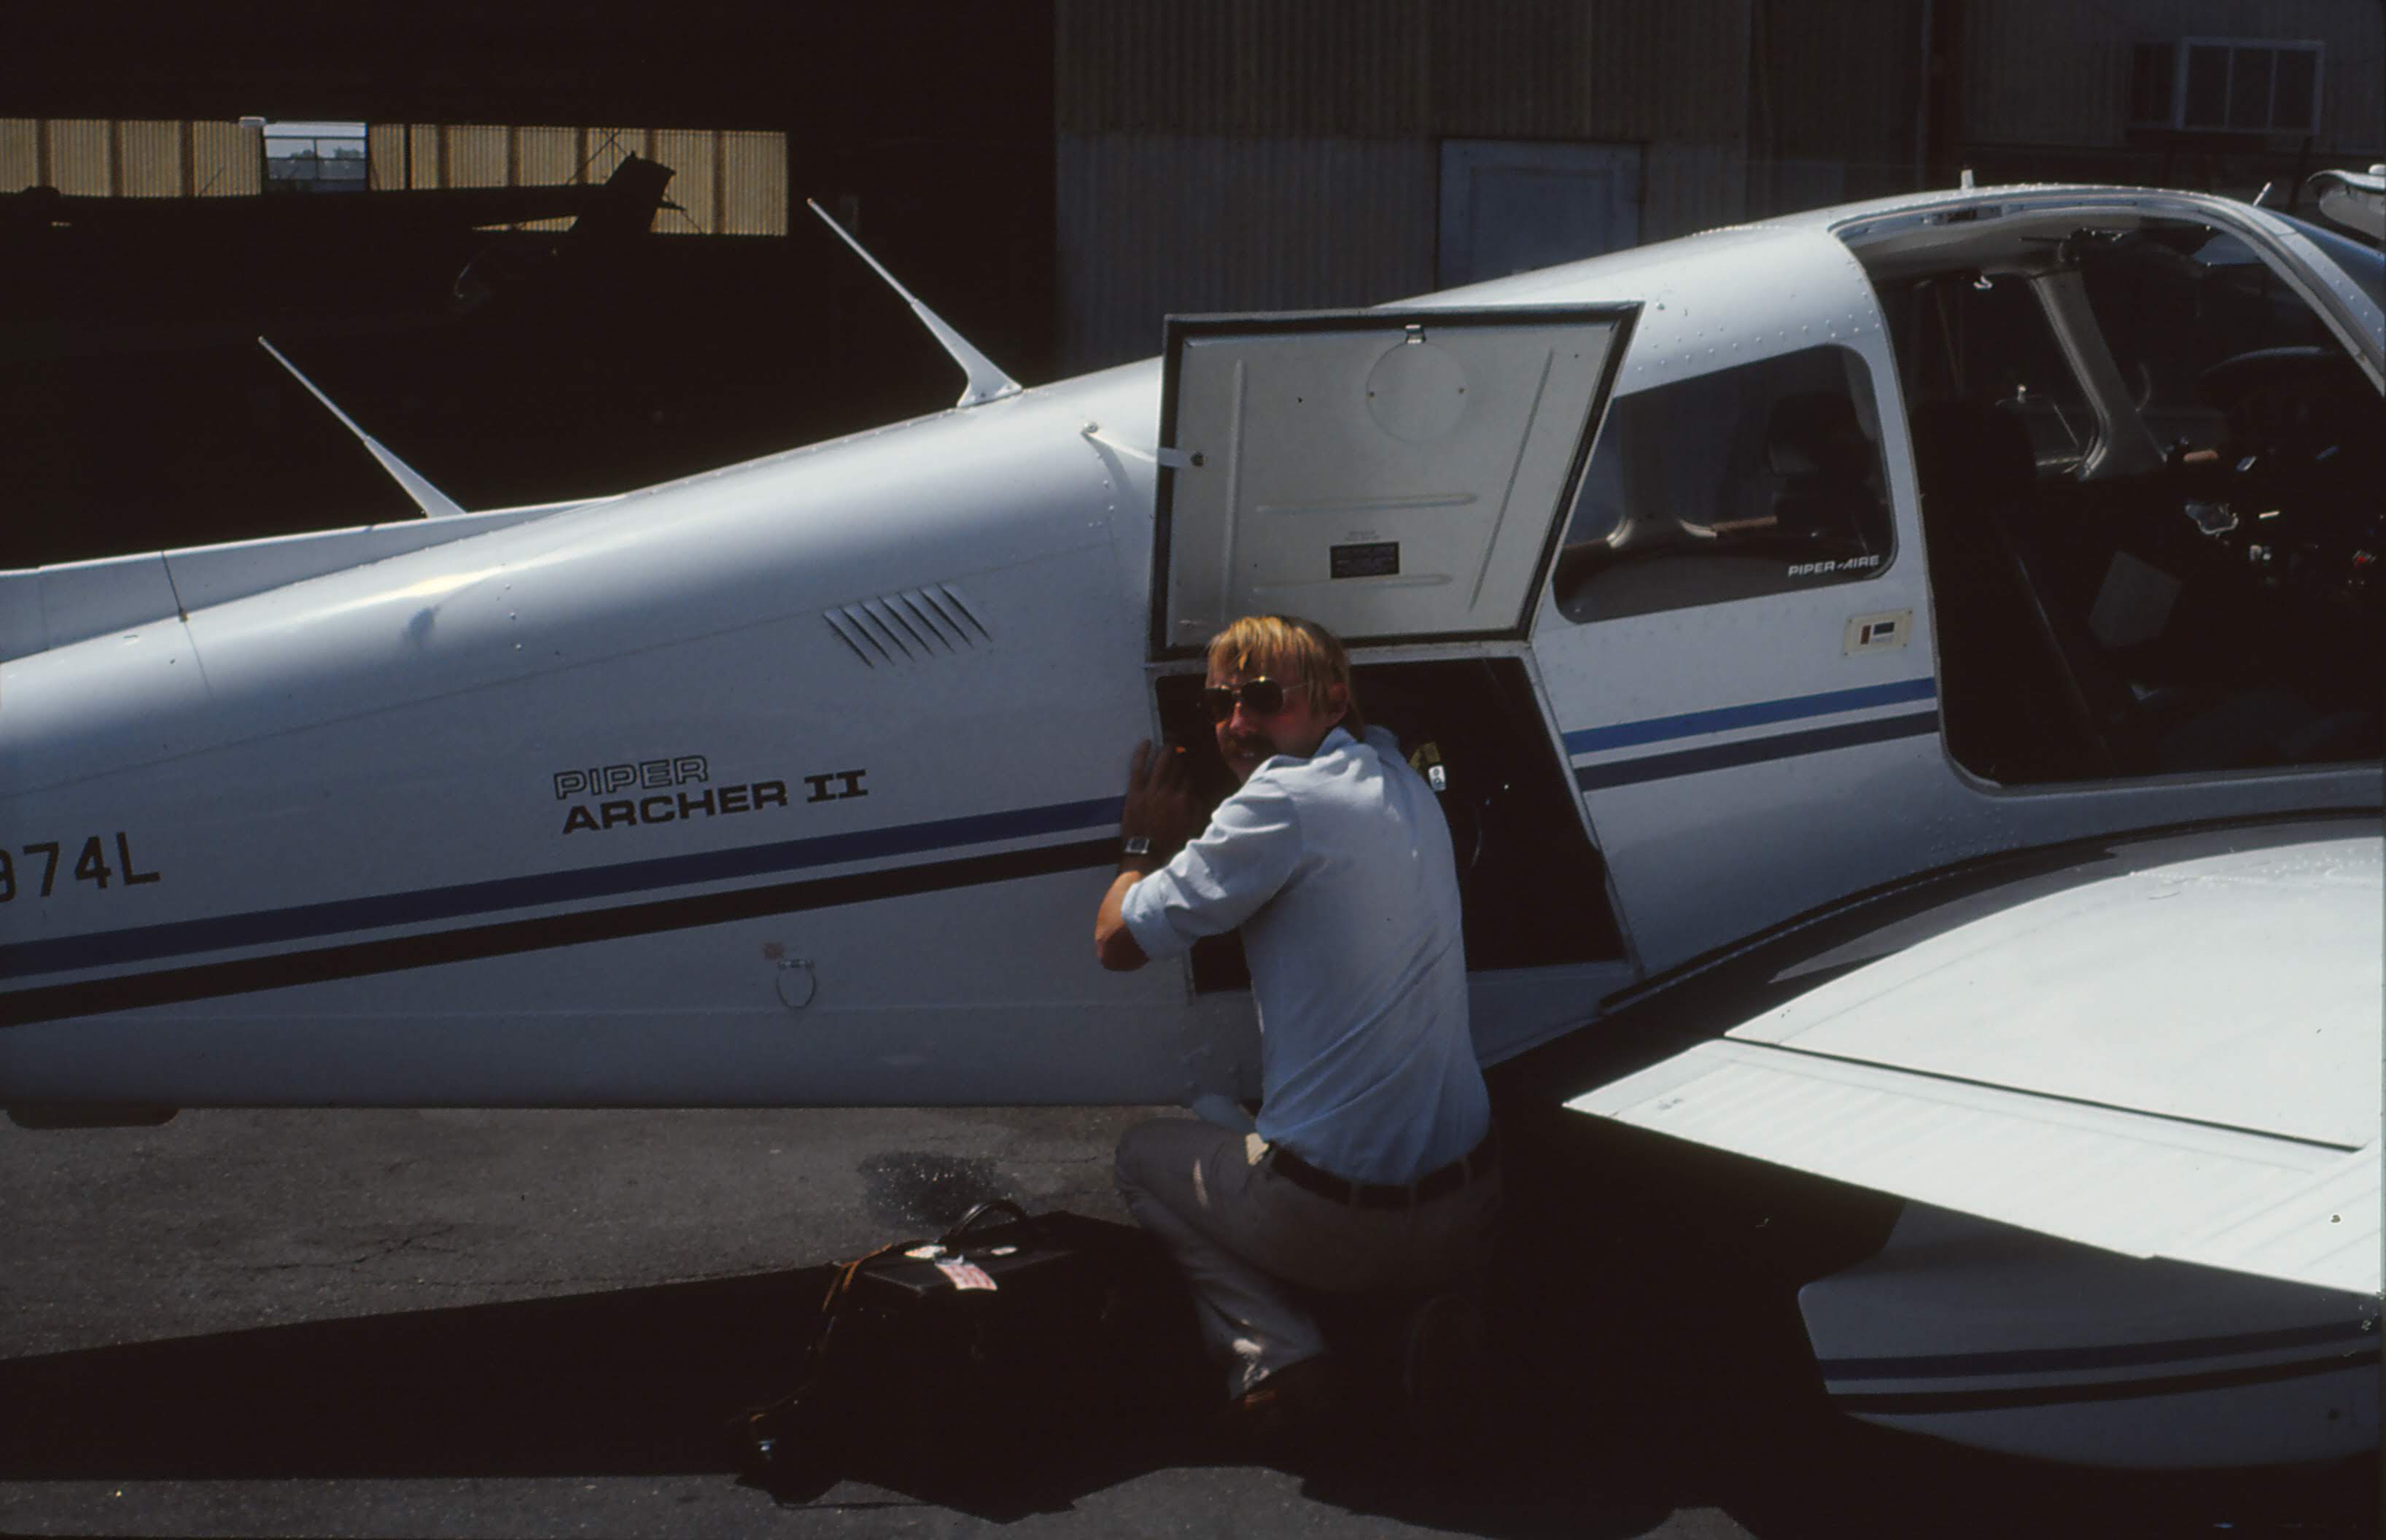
<point x="413" y="1241"/>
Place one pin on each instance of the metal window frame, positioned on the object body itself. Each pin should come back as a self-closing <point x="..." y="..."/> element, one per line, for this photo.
<point x="2317" y="48"/>
<point x="314" y="181"/>
<point x="1881" y="385"/>
<point x="2178" y="51"/>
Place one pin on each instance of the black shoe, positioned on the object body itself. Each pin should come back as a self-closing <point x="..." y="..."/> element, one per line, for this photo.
<point x="1293" y="1414"/>
<point x="1444" y="1375"/>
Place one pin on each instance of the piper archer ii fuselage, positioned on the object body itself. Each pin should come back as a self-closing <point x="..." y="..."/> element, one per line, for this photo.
<point x="1719" y="580"/>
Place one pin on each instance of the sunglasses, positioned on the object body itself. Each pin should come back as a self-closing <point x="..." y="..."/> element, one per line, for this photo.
<point x="1261" y="697"/>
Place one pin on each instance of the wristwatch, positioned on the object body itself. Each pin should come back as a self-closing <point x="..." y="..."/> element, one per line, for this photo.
<point x="1136" y="845"/>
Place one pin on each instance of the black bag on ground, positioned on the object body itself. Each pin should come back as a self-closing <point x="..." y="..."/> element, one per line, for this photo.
<point x="996" y="1345"/>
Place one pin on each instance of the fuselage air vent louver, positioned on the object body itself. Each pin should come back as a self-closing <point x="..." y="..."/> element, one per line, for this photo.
<point x="913" y="626"/>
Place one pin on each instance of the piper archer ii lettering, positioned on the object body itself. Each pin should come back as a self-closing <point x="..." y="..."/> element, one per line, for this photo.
<point x="666" y="803"/>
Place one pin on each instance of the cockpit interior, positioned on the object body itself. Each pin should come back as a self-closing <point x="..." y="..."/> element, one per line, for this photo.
<point x="2149" y="473"/>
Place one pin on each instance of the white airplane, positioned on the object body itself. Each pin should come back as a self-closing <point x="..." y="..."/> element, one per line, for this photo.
<point x="2130" y="1088"/>
<point x="2356" y="199"/>
<point x="1713" y="584"/>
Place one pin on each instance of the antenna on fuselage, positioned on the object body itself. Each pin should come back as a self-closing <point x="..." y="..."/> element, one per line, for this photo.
<point x="434" y="502"/>
<point x="986" y="382"/>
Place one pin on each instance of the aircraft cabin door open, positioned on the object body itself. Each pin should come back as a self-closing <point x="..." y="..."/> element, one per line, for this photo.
<point x="1399" y="476"/>
<point x="1395" y="476"/>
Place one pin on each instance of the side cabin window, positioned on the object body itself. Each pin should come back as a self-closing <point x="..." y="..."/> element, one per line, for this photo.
<point x="1971" y="337"/>
<point x="1761" y="479"/>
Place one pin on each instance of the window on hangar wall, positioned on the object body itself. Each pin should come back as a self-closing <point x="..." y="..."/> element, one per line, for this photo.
<point x="2222" y="84"/>
<point x="314" y="158"/>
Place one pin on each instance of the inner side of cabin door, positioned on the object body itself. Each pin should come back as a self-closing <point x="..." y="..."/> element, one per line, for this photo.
<point x="1396" y="476"/>
<point x="1399" y="476"/>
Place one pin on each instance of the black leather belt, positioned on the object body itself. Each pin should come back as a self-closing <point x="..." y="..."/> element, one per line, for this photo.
<point x="1483" y="1160"/>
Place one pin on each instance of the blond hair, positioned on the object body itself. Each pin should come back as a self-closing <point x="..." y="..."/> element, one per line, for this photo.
<point x="1288" y="648"/>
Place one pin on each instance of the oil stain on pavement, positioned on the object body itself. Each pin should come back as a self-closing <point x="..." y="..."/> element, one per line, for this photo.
<point x="920" y="1189"/>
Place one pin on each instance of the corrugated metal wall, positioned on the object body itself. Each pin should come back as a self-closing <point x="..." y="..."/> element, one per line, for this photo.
<point x="1244" y="224"/>
<point x="151" y="159"/>
<point x="138" y="158"/>
<point x="1689" y="187"/>
<point x="729" y="183"/>
<point x="1253" y="155"/>
<point x="1402" y="69"/>
<point x="726" y="182"/>
<point x="1247" y="154"/>
<point x="544" y="157"/>
<point x="756" y="166"/>
<point x="1840" y="81"/>
<point x="689" y="153"/>
<point x="2353" y="104"/>
<point x="1151" y="224"/>
<point x="82" y="157"/>
<point x="2056" y="72"/>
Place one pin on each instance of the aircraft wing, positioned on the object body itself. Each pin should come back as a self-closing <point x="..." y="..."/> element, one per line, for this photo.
<point x="2354" y="199"/>
<point x="2181" y="1061"/>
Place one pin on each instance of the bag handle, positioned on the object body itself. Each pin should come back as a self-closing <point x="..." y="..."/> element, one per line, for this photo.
<point x="843" y="1279"/>
<point x="991" y="1206"/>
<point x="840" y="1284"/>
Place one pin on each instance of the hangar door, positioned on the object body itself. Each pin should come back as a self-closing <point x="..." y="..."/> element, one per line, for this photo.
<point x="1512" y="206"/>
<point x="1396" y="475"/>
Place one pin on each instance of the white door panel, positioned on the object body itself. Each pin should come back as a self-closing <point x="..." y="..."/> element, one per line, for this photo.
<point x="1388" y="475"/>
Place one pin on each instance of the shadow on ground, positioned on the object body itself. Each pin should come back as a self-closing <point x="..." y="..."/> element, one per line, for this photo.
<point x="1648" y="1360"/>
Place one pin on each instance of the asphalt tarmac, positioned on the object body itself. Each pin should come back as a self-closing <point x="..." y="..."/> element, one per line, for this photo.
<point x="482" y="1324"/>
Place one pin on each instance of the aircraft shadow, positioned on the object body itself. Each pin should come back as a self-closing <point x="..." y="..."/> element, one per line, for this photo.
<point x="1646" y="1358"/>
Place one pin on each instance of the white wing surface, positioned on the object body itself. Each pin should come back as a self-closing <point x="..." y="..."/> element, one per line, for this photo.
<point x="2183" y="1061"/>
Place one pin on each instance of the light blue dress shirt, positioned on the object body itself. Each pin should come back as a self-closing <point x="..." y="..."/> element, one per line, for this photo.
<point x="1337" y="869"/>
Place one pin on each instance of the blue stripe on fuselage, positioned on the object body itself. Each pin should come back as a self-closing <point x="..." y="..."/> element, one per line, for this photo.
<point x="269" y="927"/>
<point x="2351" y="1334"/>
<point x="1691" y="724"/>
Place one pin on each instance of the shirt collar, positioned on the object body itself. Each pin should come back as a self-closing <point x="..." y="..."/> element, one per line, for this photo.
<point x="1337" y="736"/>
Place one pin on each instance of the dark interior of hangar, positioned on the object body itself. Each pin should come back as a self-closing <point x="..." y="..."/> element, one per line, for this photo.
<point x="507" y="365"/>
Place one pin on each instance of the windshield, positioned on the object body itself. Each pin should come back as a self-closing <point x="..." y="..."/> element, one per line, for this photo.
<point x="2365" y="265"/>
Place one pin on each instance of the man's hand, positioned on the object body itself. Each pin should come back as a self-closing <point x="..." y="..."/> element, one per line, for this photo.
<point x="1158" y="800"/>
<point x="1159" y="806"/>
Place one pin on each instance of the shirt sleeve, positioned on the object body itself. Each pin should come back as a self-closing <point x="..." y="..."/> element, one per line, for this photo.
<point x="1243" y="859"/>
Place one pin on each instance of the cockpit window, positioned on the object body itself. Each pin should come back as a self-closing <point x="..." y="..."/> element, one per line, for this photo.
<point x="2173" y="303"/>
<point x="1746" y="481"/>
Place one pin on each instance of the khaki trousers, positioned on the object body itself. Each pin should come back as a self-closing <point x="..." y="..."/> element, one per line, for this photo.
<point x="1242" y="1233"/>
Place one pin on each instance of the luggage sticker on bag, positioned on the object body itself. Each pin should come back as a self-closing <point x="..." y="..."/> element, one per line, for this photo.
<point x="966" y="1275"/>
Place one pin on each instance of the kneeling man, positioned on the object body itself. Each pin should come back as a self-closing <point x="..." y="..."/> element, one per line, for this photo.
<point x="1372" y="1167"/>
